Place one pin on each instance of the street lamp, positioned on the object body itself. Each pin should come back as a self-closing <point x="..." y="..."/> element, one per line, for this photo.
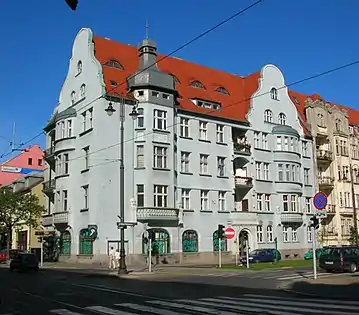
<point x="354" y="201"/>
<point x="110" y="110"/>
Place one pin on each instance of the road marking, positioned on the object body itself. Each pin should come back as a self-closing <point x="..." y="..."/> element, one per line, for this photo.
<point x="143" y="308"/>
<point x="63" y="312"/>
<point x="106" y="310"/>
<point x="309" y="275"/>
<point x="192" y="308"/>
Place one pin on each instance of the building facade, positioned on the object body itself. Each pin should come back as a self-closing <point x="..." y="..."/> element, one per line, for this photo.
<point x="206" y="148"/>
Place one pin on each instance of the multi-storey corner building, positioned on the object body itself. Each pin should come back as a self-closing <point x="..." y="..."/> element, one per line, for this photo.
<point x="207" y="148"/>
<point x="337" y="158"/>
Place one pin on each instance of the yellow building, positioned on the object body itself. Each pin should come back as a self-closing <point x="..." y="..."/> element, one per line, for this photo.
<point x="24" y="237"/>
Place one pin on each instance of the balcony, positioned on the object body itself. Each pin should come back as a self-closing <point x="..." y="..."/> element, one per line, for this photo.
<point x="49" y="154"/>
<point x="61" y="218"/>
<point x="243" y="182"/>
<point x="242" y="148"/>
<point x="324" y="155"/>
<point x="291" y="217"/>
<point x="156" y="216"/>
<point x="326" y="182"/>
<point x="49" y="186"/>
<point x="244" y="218"/>
<point x="47" y="220"/>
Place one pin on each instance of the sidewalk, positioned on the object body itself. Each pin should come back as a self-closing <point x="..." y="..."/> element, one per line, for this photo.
<point x="339" y="287"/>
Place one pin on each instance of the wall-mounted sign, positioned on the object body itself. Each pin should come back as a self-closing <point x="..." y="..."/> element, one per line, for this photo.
<point x="18" y="170"/>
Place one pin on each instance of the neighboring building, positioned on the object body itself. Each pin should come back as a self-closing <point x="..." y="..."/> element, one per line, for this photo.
<point x="337" y="151"/>
<point x="207" y="148"/>
<point x="24" y="237"/>
<point x="28" y="161"/>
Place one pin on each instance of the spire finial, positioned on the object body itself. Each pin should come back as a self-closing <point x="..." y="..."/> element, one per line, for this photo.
<point x="146" y="28"/>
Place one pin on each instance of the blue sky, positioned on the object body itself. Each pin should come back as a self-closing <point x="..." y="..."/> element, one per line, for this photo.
<point x="301" y="37"/>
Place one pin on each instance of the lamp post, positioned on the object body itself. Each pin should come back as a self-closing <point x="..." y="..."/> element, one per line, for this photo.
<point x="353" y="203"/>
<point x="110" y="110"/>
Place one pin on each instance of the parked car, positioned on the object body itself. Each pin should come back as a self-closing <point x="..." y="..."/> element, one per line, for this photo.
<point x="309" y="254"/>
<point x="24" y="262"/>
<point x="3" y="254"/>
<point x="262" y="255"/>
<point x="343" y="258"/>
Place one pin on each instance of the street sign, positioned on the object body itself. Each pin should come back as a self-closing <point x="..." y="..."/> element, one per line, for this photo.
<point x="321" y="214"/>
<point x="320" y="200"/>
<point x="230" y="233"/>
<point x="44" y="233"/>
<point x="93" y="231"/>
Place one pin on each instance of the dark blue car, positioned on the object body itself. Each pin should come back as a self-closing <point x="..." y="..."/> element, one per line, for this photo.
<point x="262" y="255"/>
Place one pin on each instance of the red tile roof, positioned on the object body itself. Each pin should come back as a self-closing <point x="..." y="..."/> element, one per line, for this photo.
<point x="234" y="105"/>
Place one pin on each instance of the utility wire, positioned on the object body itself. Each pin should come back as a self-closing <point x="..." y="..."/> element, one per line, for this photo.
<point x="206" y="32"/>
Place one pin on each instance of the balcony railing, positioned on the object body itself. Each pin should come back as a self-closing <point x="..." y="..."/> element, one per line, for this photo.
<point x="324" y="155"/>
<point x="158" y="215"/>
<point x="49" y="152"/>
<point x="326" y="181"/>
<point x="49" y="186"/>
<point x="242" y="148"/>
<point x="242" y="181"/>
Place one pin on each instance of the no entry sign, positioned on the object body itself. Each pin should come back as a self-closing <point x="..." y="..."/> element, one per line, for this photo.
<point x="230" y="233"/>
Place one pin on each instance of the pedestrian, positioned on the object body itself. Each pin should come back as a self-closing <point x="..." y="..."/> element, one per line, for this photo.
<point x="117" y="259"/>
<point x="111" y="263"/>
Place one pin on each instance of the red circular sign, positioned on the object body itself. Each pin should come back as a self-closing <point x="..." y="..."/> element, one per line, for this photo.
<point x="230" y="232"/>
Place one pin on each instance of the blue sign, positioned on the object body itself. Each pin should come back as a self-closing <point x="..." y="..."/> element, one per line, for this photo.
<point x="320" y="200"/>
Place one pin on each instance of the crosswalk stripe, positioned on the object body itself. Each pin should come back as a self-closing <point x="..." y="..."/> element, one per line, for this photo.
<point x="63" y="311"/>
<point x="240" y="308"/>
<point x="193" y="308"/>
<point x="316" y="300"/>
<point x="144" y="308"/>
<point x="293" y="310"/>
<point x="106" y="310"/>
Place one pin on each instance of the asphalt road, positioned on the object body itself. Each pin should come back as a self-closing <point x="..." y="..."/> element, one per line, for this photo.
<point x="71" y="293"/>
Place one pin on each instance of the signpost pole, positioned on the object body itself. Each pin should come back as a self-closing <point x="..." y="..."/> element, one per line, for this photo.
<point x="314" y="237"/>
<point x="276" y="249"/>
<point x="42" y="252"/>
<point x="236" y="249"/>
<point x="150" y="255"/>
<point x="220" y="254"/>
<point x="247" y="253"/>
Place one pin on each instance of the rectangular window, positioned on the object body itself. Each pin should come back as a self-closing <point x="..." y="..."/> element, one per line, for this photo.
<point x="267" y="202"/>
<point x="256" y="140"/>
<point x="84" y="121"/>
<point x="64" y="200"/>
<point x="86" y="196"/>
<point x="159" y="119"/>
<point x="140" y="157"/>
<point x="203" y="164"/>
<point x="292" y="144"/>
<point x="266" y="171"/>
<point x="280" y="172"/>
<point x="87" y="158"/>
<point x="69" y="128"/>
<point x="159" y="157"/>
<point x="285" y="203"/>
<point x="285" y="234"/>
<point x="90" y="116"/>
<point x="220" y="133"/>
<point x="184" y="127"/>
<point x="66" y="164"/>
<point x="140" y="195"/>
<point x="279" y="143"/>
<point x="264" y="141"/>
<point x="287" y="172"/>
<point x="202" y="130"/>
<point x="306" y="176"/>
<point x="259" y="234"/>
<point x="140" y="121"/>
<point x="269" y="234"/>
<point x="63" y="130"/>
<point x="294" y="235"/>
<point x="286" y="147"/>
<point x="160" y="196"/>
<point x="186" y="194"/>
<point x="258" y="170"/>
<point x="308" y="205"/>
<point x="221" y="201"/>
<point x="221" y="166"/>
<point x="259" y="202"/>
<point x="185" y="156"/>
<point x="293" y="173"/>
<point x="294" y="203"/>
<point x="204" y="200"/>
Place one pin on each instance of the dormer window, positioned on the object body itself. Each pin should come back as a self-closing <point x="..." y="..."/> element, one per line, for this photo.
<point x="282" y="119"/>
<point x="83" y="90"/>
<point x="73" y="97"/>
<point x="222" y="90"/>
<point x="338" y="125"/>
<point x="175" y="79"/>
<point x="207" y="104"/>
<point x="79" y="67"/>
<point x="197" y="84"/>
<point x="320" y="119"/>
<point x="114" y="64"/>
<point x="274" y="94"/>
<point x="113" y="83"/>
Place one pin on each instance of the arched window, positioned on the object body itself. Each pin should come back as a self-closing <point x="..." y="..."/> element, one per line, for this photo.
<point x="73" y="97"/>
<point x="161" y="244"/>
<point x="190" y="241"/>
<point x="217" y="241"/>
<point x="222" y="90"/>
<point x="338" y="124"/>
<point x="320" y="118"/>
<point x="274" y="94"/>
<point x="282" y="119"/>
<point x="268" y="115"/>
<point x="85" y="242"/>
<point x="197" y="84"/>
<point x="79" y="67"/>
<point x="65" y="243"/>
<point x="83" y="90"/>
<point x="114" y="64"/>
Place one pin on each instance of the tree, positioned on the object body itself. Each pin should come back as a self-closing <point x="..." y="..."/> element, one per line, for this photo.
<point x="353" y="236"/>
<point x="18" y="209"/>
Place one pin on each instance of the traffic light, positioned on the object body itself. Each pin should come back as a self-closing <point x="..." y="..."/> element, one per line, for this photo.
<point x="72" y="4"/>
<point x="220" y="231"/>
<point x="314" y="222"/>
